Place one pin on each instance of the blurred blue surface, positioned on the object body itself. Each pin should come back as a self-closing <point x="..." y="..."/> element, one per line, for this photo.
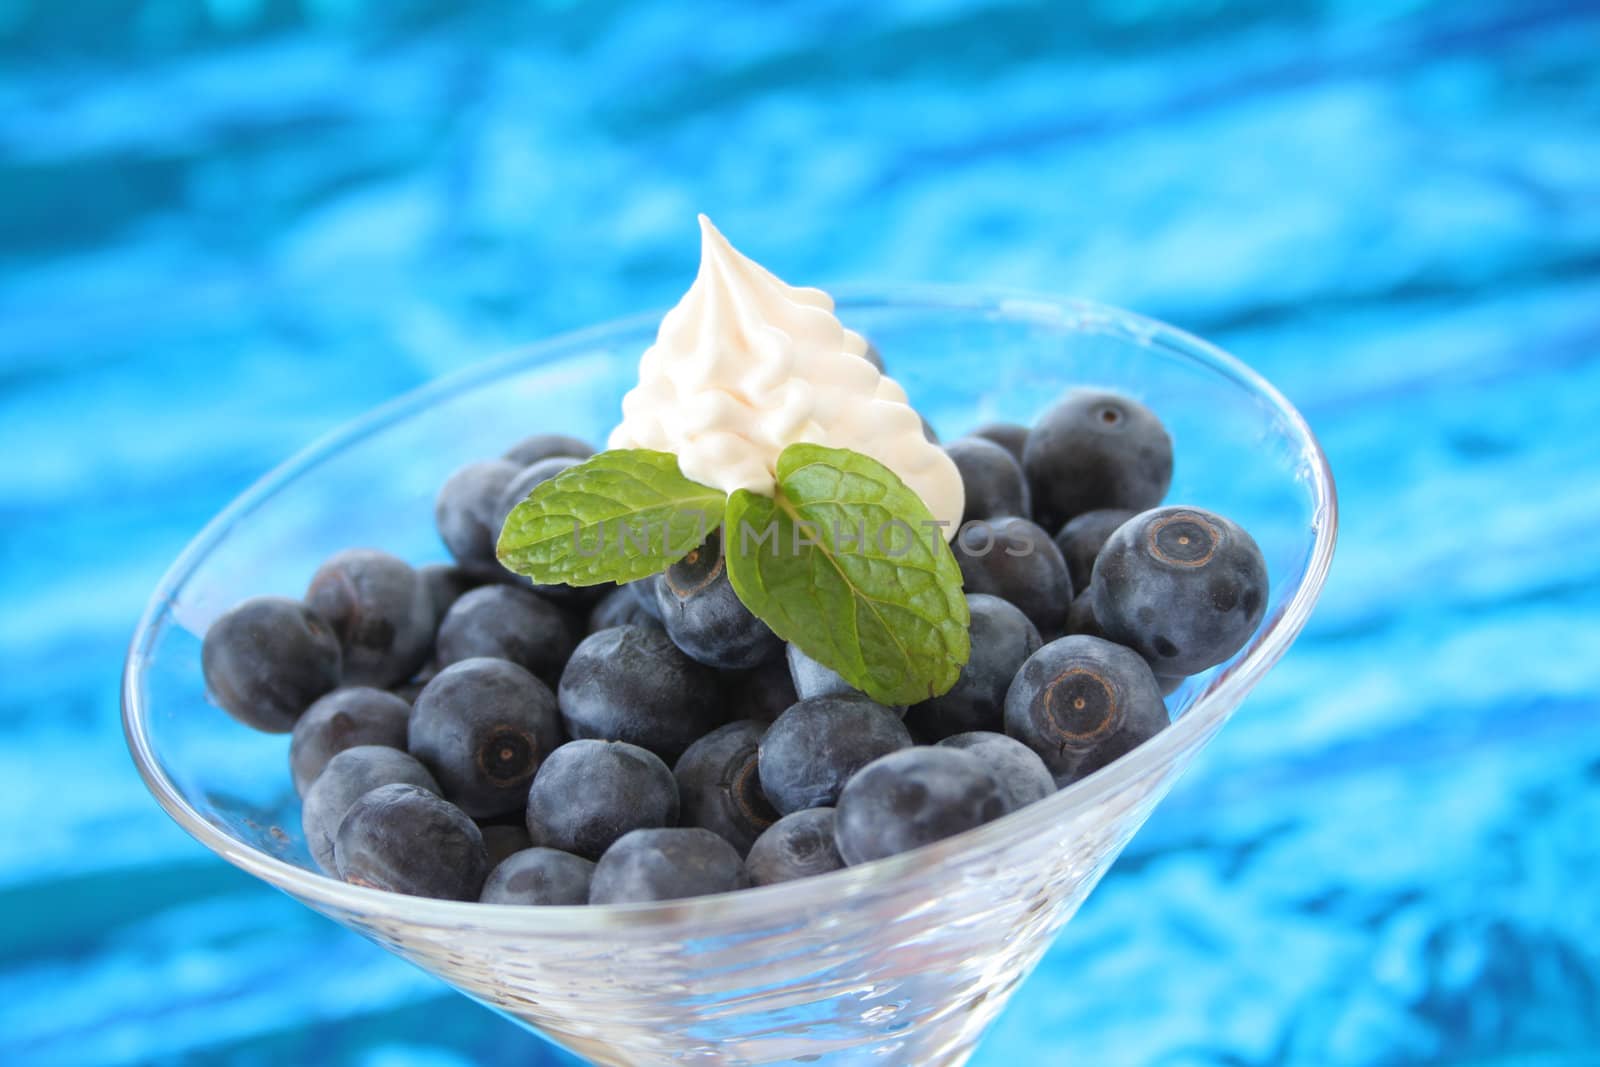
<point x="227" y="226"/>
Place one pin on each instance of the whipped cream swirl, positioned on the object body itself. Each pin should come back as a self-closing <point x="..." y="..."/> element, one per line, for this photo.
<point x="746" y="365"/>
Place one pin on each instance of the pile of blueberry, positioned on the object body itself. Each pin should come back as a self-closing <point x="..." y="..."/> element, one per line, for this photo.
<point x="460" y="733"/>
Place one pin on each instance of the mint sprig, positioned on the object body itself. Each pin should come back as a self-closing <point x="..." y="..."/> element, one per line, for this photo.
<point x="847" y="563"/>
<point x="616" y="517"/>
<point x="844" y="560"/>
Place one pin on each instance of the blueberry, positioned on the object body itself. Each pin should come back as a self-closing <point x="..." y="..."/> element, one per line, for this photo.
<point x="267" y="659"/>
<point x="809" y="753"/>
<point x="544" y="876"/>
<point x="381" y="611"/>
<point x="1002" y="638"/>
<point x="644" y="590"/>
<point x="912" y="798"/>
<point x="928" y="431"/>
<point x="1081" y="702"/>
<point x="505" y="622"/>
<point x="1184" y="588"/>
<point x="1080" y="618"/>
<point x="1008" y="435"/>
<point x="409" y="691"/>
<point x="1081" y="539"/>
<point x="589" y="793"/>
<point x="992" y="478"/>
<point x="631" y="683"/>
<point x="483" y="726"/>
<point x="467" y="513"/>
<point x="873" y="356"/>
<point x="574" y="612"/>
<point x="349" y="775"/>
<point x="522" y="485"/>
<point x="620" y="607"/>
<point x="812" y="679"/>
<point x="501" y="839"/>
<point x="705" y="617"/>
<point x="445" y="584"/>
<point x="531" y="450"/>
<point x="761" y="693"/>
<point x="1014" y="559"/>
<point x="796" y="846"/>
<point x="669" y="864"/>
<point x="344" y="719"/>
<point x="1023" y="776"/>
<point x="1094" y="450"/>
<point x="721" y="785"/>
<point x="408" y="840"/>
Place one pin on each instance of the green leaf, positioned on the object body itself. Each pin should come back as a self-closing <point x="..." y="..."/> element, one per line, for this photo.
<point x="615" y="517"/>
<point x="884" y="611"/>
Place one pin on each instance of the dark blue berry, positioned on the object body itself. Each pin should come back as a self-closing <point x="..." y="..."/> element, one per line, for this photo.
<point x="1023" y="776"/>
<point x="644" y="590"/>
<point x="873" y="356"/>
<point x="720" y="784"/>
<point x="505" y="622"/>
<point x="1081" y="539"/>
<point x="1081" y="702"/>
<point x="621" y="607"/>
<point x="812" y="679"/>
<point x="501" y="839"/>
<point x="408" y="840"/>
<point x="543" y="876"/>
<point x="409" y="691"/>
<point x="531" y="450"/>
<point x="267" y="659"/>
<point x="671" y="864"/>
<point x="992" y="478"/>
<point x="796" y="846"/>
<point x="912" y="798"/>
<point x="381" y="611"/>
<point x="483" y="726"/>
<point x="467" y="513"/>
<point x="1080" y="618"/>
<point x="589" y="793"/>
<point x="349" y="775"/>
<point x="1008" y="435"/>
<point x="761" y="693"/>
<point x="1001" y="639"/>
<point x="1184" y="588"/>
<point x="1095" y="450"/>
<point x="631" y="683"/>
<point x="344" y="719"/>
<point x="812" y="749"/>
<point x="446" y="584"/>
<point x="1014" y="559"/>
<point x="705" y="617"/>
<point x="574" y="610"/>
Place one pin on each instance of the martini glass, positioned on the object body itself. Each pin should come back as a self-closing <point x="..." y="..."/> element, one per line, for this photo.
<point x="903" y="961"/>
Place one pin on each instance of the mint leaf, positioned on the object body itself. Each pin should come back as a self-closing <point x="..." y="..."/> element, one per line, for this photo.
<point x="615" y="517"/>
<point x="885" y="610"/>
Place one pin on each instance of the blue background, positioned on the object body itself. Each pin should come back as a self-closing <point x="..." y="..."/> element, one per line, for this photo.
<point x="228" y="226"/>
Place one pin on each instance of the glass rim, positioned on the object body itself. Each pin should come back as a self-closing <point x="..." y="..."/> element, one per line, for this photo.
<point x="1222" y="693"/>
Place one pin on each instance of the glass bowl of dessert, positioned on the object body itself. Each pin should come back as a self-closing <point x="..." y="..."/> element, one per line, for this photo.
<point x="902" y="959"/>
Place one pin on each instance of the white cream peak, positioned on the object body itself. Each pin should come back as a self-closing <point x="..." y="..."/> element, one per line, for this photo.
<point x="746" y="365"/>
